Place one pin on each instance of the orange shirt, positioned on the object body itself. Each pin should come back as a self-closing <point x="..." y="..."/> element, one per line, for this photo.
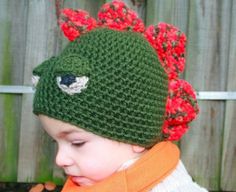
<point x="153" y="167"/>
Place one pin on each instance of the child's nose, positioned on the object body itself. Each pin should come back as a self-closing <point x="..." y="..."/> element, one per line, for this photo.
<point x="63" y="158"/>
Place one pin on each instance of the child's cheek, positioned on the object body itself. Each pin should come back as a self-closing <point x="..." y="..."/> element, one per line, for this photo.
<point x="95" y="170"/>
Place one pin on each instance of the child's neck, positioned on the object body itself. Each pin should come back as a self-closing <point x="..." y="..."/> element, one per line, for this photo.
<point x="131" y="161"/>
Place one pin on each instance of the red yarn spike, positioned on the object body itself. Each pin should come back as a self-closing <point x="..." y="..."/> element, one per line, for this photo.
<point x="169" y="43"/>
<point x="73" y="23"/>
<point x="174" y="133"/>
<point x="181" y="108"/>
<point x="116" y="15"/>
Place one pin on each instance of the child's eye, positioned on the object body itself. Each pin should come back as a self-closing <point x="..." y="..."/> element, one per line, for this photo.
<point x="78" y="143"/>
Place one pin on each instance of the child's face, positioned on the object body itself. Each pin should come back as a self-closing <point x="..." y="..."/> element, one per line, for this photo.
<point x="86" y="157"/>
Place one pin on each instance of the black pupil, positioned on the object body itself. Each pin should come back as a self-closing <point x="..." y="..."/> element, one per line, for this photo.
<point x="67" y="80"/>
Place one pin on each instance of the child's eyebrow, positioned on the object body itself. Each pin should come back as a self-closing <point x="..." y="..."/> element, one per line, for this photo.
<point x="65" y="133"/>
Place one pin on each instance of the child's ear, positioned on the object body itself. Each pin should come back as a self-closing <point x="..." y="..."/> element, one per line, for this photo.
<point x="138" y="149"/>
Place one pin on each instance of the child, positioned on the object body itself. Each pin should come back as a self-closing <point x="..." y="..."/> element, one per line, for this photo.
<point x="113" y="102"/>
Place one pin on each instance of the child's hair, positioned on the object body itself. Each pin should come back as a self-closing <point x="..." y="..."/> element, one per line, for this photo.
<point x="117" y="79"/>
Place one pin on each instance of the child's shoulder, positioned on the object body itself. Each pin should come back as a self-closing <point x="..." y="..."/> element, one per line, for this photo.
<point x="178" y="180"/>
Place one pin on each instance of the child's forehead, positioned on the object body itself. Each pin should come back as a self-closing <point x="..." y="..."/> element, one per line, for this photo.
<point x="59" y="127"/>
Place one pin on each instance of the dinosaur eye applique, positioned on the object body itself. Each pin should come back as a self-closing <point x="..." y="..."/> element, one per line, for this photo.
<point x="41" y="69"/>
<point x="72" y="84"/>
<point x="35" y="80"/>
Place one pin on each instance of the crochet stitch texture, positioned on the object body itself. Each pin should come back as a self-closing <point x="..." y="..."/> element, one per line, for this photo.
<point x="125" y="95"/>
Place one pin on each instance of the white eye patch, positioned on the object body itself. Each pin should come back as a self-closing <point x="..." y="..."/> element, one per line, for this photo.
<point x="35" y="80"/>
<point x="72" y="84"/>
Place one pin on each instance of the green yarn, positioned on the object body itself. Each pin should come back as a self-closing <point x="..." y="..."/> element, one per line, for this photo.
<point x="125" y="95"/>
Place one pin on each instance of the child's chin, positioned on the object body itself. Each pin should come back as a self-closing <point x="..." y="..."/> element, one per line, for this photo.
<point x="82" y="181"/>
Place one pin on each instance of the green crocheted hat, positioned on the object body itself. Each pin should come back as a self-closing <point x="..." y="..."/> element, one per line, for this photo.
<point x="108" y="82"/>
<point x="117" y="79"/>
